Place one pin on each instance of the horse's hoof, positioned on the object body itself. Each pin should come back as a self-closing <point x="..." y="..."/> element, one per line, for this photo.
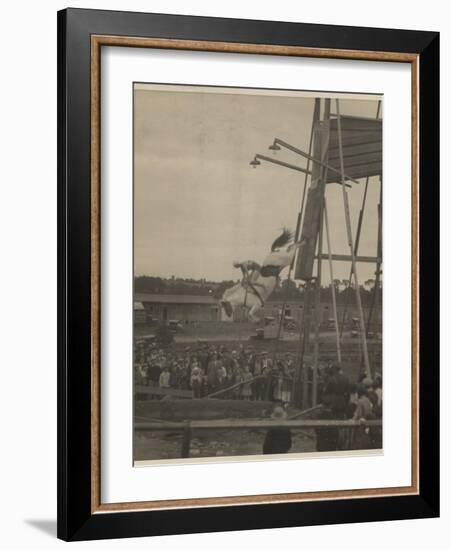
<point x="227" y="308"/>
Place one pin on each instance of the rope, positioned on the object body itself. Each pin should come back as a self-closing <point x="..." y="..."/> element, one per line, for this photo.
<point x="379" y="255"/>
<point x="351" y="246"/>
<point x="296" y="238"/>
<point x="301" y="348"/>
<point x="306" y="411"/>
<point x="357" y="239"/>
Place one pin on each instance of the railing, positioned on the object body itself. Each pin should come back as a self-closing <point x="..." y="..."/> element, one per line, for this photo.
<point x="216" y="393"/>
<point x="157" y="392"/>
<point x="187" y="427"/>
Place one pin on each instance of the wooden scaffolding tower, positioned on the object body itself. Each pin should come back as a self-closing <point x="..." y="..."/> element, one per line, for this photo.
<point x="343" y="150"/>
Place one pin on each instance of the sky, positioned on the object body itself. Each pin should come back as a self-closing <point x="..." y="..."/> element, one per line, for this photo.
<point x="198" y="204"/>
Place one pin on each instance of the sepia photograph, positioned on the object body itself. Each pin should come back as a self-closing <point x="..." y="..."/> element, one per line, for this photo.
<point x="248" y="274"/>
<point x="258" y="289"/>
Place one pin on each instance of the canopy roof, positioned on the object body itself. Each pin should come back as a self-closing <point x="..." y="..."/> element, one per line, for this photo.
<point x="362" y="147"/>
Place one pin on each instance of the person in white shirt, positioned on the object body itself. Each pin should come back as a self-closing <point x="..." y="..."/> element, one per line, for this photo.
<point x="165" y="378"/>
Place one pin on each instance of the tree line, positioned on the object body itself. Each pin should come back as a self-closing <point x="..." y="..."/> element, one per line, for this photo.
<point x="285" y="290"/>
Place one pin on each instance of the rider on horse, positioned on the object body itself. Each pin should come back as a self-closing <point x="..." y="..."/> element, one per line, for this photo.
<point x="259" y="281"/>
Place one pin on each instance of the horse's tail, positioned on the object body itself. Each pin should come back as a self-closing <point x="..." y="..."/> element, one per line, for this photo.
<point x="227" y="307"/>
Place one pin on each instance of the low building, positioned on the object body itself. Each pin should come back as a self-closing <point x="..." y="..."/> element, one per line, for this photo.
<point x="295" y="309"/>
<point x="139" y="313"/>
<point x="189" y="308"/>
<point x="180" y="307"/>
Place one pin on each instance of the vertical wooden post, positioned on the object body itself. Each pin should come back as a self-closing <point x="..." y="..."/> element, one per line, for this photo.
<point x="331" y="271"/>
<point x="305" y="343"/>
<point x="379" y="255"/>
<point x="186" y="439"/>
<point x="311" y="223"/>
<point x="313" y="206"/>
<point x="299" y="373"/>
<point x="356" y="248"/>
<point x="322" y="153"/>
<point x="317" y="315"/>
<point x="374" y="305"/>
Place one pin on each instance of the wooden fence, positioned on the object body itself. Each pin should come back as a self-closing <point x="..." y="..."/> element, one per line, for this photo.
<point x="187" y="427"/>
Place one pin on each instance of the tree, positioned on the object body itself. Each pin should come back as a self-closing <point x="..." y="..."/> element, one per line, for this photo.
<point x="221" y="288"/>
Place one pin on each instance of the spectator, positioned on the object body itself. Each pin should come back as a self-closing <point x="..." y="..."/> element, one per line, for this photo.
<point x="246" y="389"/>
<point x="267" y="373"/>
<point x="352" y="402"/>
<point x="364" y="411"/>
<point x="364" y="407"/>
<point x="165" y="377"/>
<point x="277" y="380"/>
<point x="336" y="391"/>
<point x="196" y="379"/>
<point x="287" y="383"/>
<point x="221" y="374"/>
<point x="278" y="439"/>
<point x="153" y="373"/>
<point x="212" y="373"/>
<point x="258" y="385"/>
<point x="377" y="387"/>
<point x="327" y="437"/>
<point x="237" y="378"/>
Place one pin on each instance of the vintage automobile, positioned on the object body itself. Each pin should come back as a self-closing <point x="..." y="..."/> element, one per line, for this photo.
<point x="289" y="323"/>
<point x="330" y="324"/>
<point x="175" y="325"/>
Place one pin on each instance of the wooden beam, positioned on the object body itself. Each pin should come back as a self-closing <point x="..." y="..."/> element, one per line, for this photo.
<point x="314" y="205"/>
<point x="357" y="172"/>
<point x="282" y="163"/>
<point x="251" y="424"/>
<point x="172" y="392"/>
<point x="348" y="258"/>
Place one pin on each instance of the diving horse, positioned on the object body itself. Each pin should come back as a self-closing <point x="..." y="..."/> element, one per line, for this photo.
<point x="259" y="281"/>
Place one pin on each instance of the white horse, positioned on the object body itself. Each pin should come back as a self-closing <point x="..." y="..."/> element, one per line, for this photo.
<point x="258" y="281"/>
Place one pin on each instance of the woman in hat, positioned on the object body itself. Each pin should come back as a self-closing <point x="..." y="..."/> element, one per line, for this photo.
<point x="246" y="389"/>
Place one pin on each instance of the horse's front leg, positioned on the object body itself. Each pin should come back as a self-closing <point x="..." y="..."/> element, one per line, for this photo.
<point x="254" y="313"/>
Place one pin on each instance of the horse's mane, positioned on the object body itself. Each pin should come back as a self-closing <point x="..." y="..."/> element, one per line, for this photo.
<point x="282" y="240"/>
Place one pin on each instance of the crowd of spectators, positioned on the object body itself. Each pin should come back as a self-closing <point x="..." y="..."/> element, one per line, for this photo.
<point x="239" y="372"/>
<point x="209" y="369"/>
<point x="242" y="372"/>
<point x="341" y="399"/>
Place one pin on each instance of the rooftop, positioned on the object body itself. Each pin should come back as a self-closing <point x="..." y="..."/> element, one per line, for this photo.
<point x="176" y="299"/>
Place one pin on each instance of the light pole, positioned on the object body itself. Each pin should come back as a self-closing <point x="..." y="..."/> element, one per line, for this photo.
<point x="257" y="158"/>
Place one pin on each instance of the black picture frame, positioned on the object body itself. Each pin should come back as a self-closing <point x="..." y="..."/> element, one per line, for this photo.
<point x="75" y="518"/>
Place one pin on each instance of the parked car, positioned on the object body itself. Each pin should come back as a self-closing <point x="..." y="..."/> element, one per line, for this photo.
<point x="174" y="325"/>
<point x="290" y="323"/>
<point x="330" y="325"/>
<point x="355" y="323"/>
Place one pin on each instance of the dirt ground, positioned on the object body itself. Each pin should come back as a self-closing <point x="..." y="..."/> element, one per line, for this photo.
<point x="240" y="332"/>
<point x="167" y="445"/>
